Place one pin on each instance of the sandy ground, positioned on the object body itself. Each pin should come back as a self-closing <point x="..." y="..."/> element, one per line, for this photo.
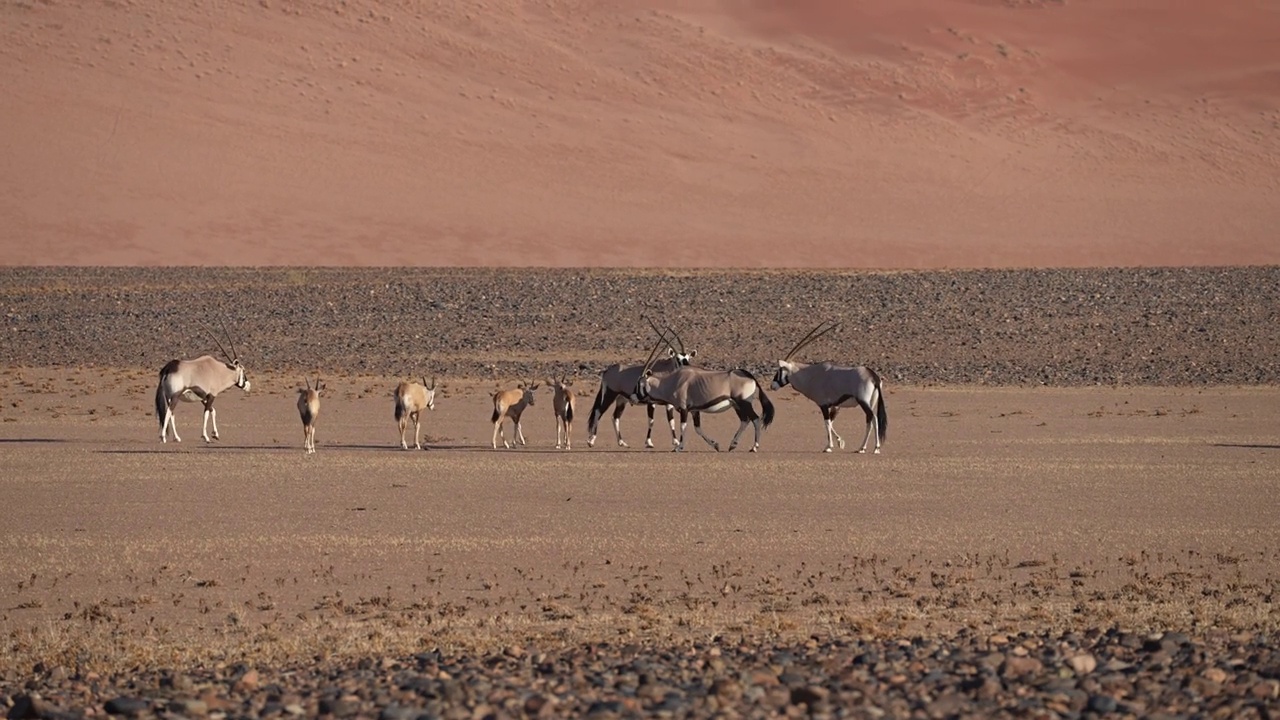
<point x="989" y="508"/>
<point x="671" y="133"/>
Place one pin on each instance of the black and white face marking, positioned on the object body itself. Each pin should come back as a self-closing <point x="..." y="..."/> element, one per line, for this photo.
<point x="781" y="378"/>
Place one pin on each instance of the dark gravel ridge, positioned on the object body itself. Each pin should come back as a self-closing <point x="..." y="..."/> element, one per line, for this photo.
<point x="1090" y="674"/>
<point x="1161" y="326"/>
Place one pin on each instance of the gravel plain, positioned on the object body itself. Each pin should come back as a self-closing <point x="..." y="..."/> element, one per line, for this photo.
<point x="1184" y="326"/>
<point x="1126" y="327"/>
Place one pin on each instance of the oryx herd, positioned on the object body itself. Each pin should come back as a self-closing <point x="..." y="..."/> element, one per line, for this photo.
<point x="668" y="379"/>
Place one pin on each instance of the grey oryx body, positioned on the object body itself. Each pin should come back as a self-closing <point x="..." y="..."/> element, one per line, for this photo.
<point x="511" y="404"/>
<point x="565" y="404"/>
<point x="832" y="387"/>
<point x="411" y="400"/>
<point x="696" y="390"/>
<point x="309" y="410"/>
<point x="198" y="380"/>
<point x="617" y="387"/>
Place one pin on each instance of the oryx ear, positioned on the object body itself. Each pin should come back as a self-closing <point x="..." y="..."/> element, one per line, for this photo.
<point x="693" y="353"/>
<point x="671" y="352"/>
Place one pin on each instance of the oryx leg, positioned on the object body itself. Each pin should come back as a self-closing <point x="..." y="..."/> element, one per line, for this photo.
<point x="417" y="431"/>
<point x="684" y="421"/>
<point x="499" y="432"/>
<point x="829" y="418"/>
<point x="648" y="436"/>
<point x="697" y="426"/>
<point x="671" y="420"/>
<point x="210" y="414"/>
<point x="619" y="406"/>
<point x="746" y="414"/>
<point x="597" y="411"/>
<point x="872" y="426"/>
<point x="170" y="421"/>
<point x="520" y="431"/>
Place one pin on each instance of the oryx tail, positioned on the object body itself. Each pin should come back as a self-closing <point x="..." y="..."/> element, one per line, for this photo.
<point x="161" y="404"/>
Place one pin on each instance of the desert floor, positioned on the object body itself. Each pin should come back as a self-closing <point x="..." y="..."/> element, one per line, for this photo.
<point x="1020" y="515"/>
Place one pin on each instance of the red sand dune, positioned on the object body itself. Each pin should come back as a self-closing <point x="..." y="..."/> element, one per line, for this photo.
<point x="818" y="133"/>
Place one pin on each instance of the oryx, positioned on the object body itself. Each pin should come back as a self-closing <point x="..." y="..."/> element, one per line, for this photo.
<point x="411" y="400"/>
<point x="833" y="387"/>
<point x="617" y="387"/>
<point x="309" y="410"/>
<point x="564" y="403"/>
<point x="511" y="404"/>
<point x="195" y="380"/>
<point x="696" y="390"/>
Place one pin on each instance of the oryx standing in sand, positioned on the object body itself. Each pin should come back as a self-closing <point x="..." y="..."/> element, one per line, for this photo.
<point x="696" y="390"/>
<point x="617" y="387"/>
<point x="511" y="404"/>
<point x="832" y="387"/>
<point x="565" y="404"/>
<point x="195" y="380"/>
<point x="411" y="400"/>
<point x="309" y="410"/>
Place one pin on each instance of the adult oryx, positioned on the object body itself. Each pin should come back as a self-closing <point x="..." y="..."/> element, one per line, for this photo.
<point x="696" y="390"/>
<point x="617" y="387"/>
<point x="833" y="387"/>
<point x="195" y="380"/>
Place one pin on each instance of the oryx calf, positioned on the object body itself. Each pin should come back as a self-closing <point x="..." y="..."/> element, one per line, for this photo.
<point x="699" y="390"/>
<point x="511" y="404"/>
<point x="309" y="410"/>
<point x="412" y="399"/>
<point x="198" y="380"/>
<point x="832" y="387"/>
<point x="565" y="403"/>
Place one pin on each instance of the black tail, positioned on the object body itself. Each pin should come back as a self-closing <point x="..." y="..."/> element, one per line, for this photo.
<point x="598" y="408"/>
<point x="765" y="404"/>
<point x="882" y="417"/>
<point x="400" y="409"/>
<point x="568" y="411"/>
<point x="496" y="414"/>
<point x="161" y="404"/>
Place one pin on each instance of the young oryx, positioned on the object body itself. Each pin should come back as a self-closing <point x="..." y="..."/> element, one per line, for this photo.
<point x="412" y="399"/>
<point x="617" y="386"/>
<point x="511" y="404"/>
<point x="195" y="380"/>
<point x="696" y="390"/>
<point x="833" y="387"/>
<point x="309" y="410"/>
<point x="564" y="407"/>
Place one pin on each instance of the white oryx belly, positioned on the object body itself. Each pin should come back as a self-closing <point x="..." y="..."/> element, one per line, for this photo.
<point x="718" y="407"/>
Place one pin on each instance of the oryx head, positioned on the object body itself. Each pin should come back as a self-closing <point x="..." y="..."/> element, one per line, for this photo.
<point x="312" y="388"/>
<point x="232" y="358"/>
<point x="529" y="389"/>
<point x="431" y="392"/>
<point x="785" y="366"/>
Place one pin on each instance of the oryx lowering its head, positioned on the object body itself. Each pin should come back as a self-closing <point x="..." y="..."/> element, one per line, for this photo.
<point x="200" y="380"/>
<point x="696" y="390"/>
<point x="832" y="387"/>
<point x="617" y="387"/>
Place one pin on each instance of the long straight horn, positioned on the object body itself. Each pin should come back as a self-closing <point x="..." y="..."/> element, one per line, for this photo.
<point x="234" y="355"/>
<point x="648" y="363"/>
<point x="220" y="348"/>
<point x="306" y="382"/>
<point x="661" y="334"/>
<point x="433" y="382"/>
<point x="813" y="335"/>
<point x="679" y="340"/>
